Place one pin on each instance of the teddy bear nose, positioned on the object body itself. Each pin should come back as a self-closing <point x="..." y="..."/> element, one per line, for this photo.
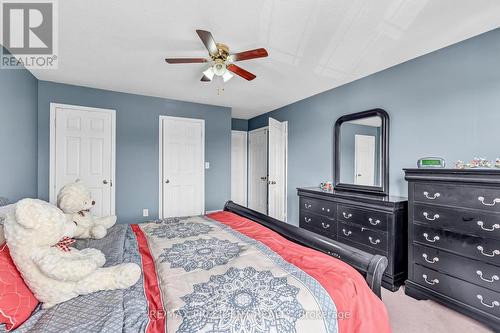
<point x="93" y="202"/>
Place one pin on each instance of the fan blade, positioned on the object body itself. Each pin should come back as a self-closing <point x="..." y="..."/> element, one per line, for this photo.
<point x="251" y="54"/>
<point x="205" y="78"/>
<point x="241" y="72"/>
<point x="209" y="42"/>
<point x="185" y="60"/>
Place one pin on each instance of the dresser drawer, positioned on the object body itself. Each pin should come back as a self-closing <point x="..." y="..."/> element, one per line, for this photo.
<point x="371" y="238"/>
<point x="317" y="223"/>
<point x="316" y="206"/>
<point x="483" y="198"/>
<point x="472" y="222"/>
<point x="370" y="219"/>
<point x="478" y="297"/>
<point x="470" y="270"/>
<point x="484" y="249"/>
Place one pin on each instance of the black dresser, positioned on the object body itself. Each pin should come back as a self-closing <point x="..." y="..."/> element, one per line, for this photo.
<point x="454" y="240"/>
<point x="374" y="224"/>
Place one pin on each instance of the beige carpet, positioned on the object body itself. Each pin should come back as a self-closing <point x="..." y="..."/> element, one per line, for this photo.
<point x="408" y="315"/>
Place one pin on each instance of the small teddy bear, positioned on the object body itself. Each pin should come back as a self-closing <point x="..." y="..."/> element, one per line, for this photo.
<point x="39" y="240"/>
<point x="75" y="201"/>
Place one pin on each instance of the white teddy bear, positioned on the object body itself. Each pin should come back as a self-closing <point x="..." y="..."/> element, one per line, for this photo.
<point x="39" y="241"/>
<point x="75" y="201"/>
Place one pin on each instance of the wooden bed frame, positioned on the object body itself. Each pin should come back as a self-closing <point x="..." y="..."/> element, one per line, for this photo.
<point x="371" y="266"/>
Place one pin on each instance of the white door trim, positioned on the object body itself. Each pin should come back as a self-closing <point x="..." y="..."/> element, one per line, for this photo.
<point x="160" y="160"/>
<point x="259" y="129"/>
<point x="52" y="149"/>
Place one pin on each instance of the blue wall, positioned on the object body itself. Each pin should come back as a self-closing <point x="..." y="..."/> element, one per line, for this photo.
<point x="137" y="144"/>
<point x="446" y="103"/>
<point x="239" y="124"/>
<point x="18" y="134"/>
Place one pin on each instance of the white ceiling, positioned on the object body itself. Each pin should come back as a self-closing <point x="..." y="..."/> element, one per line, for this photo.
<point x="313" y="45"/>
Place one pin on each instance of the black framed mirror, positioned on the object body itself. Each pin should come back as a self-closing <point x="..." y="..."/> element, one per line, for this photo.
<point x="361" y="162"/>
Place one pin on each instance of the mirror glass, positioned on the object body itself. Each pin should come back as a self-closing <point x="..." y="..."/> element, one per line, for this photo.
<point x="360" y="154"/>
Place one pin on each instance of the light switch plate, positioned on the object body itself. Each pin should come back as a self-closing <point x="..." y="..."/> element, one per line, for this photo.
<point x="145" y="212"/>
<point x="207" y="165"/>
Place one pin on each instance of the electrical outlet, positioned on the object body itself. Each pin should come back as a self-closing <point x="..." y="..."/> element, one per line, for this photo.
<point x="145" y="212"/>
<point x="207" y="165"/>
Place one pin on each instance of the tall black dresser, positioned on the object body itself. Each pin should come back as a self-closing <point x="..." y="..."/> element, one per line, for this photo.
<point x="454" y="240"/>
<point x="374" y="224"/>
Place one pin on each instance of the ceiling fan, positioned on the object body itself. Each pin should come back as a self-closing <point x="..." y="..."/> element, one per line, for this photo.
<point x="221" y="61"/>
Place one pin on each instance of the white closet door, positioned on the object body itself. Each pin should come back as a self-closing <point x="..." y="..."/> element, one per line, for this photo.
<point x="82" y="147"/>
<point x="277" y="169"/>
<point x="239" y="167"/>
<point x="183" y="170"/>
<point x="257" y="170"/>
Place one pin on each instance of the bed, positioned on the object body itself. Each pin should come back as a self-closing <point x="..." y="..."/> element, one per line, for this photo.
<point x="230" y="271"/>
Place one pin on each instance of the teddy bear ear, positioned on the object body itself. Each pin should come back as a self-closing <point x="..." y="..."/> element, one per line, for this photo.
<point x="28" y="212"/>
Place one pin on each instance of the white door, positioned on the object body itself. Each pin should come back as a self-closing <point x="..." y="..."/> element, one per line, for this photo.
<point x="82" y="147"/>
<point x="257" y="170"/>
<point x="239" y="167"/>
<point x="364" y="160"/>
<point x="182" y="167"/>
<point x="277" y="169"/>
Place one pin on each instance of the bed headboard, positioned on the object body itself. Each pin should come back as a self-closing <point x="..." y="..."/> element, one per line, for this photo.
<point x="371" y="266"/>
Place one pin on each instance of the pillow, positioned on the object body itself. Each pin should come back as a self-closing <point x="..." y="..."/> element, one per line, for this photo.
<point x="17" y="302"/>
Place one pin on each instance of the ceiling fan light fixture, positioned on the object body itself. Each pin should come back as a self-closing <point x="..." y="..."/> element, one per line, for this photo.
<point x="227" y="76"/>
<point x="219" y="68"/>
<point x="209" y="73"/>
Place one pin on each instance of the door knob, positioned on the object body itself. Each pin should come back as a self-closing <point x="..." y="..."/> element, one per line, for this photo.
<point x="271" y="182"/>
<point x="167" y="181"/>
<point x="105" y="182"/>
<point x="263" y="178"/>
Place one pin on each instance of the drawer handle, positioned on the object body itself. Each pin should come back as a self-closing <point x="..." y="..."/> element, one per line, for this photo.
<point x="377" y="241"/>
<point x="307" y="206"/>
<point x="495" y="226"/>
<point x="307" y="219"/>
<point x="494" y="253"/>
<point x="434" y="197"/>
<point x="373" y="222"/>
<point x="347" y="216"/>
<point x="433" y="240"/>
<point x="426" y="215"/>
<point x="326" y="226"/>
<point x="432" y="282"/>
<point x="327" y="209"/>
<point x="347" y="233"/>
<point x="433" y="261"/>
<point x="493" y="278"/>
<point x="495" y="201"/>
<point x="492" y="305"/>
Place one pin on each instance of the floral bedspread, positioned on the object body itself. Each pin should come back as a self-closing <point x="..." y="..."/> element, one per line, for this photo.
<point x="215" y="279"/>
